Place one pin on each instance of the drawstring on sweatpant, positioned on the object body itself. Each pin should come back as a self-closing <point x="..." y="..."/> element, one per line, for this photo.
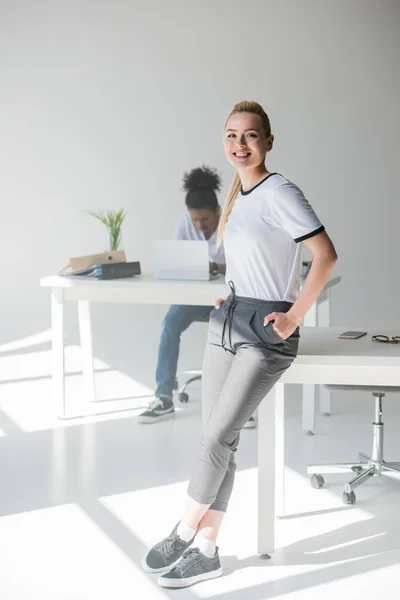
<point x="229" y="307"/>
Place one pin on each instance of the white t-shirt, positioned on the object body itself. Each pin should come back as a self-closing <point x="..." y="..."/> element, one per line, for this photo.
<point x="186" y="230"/>
<point x="262" y="239"/>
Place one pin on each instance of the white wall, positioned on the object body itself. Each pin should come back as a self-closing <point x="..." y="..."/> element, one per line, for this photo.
<point x="106" y="103"/>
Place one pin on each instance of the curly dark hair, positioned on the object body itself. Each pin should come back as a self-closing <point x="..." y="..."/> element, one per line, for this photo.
<point x="200" y="185"/>
<point x="201" y="178"/>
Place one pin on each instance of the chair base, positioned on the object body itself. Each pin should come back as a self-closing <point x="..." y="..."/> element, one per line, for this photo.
<point x="194" y="375"/>
<point x="366" y="467"/>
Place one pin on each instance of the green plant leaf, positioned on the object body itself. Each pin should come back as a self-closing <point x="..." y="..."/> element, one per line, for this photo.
<point x="113" y="220"/>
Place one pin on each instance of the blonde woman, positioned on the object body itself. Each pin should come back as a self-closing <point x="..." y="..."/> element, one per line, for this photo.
<point x="253" y="334"/>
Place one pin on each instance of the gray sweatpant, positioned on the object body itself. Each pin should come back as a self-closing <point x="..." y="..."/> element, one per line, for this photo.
<point x="242" y="362"/>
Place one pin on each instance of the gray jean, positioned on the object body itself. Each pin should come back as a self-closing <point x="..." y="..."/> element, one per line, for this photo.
<point x="242" y="362"/>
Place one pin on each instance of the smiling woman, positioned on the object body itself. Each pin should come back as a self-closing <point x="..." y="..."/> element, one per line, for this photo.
<point x="253" y="334"/>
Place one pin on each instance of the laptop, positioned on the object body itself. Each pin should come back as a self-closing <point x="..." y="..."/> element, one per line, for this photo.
<point x="181" y="259"/>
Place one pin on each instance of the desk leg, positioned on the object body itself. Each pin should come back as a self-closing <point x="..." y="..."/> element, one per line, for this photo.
<point x="309" y="390"/>
<point x="324" y="320"/>
<point x="266" y="470"/>
<point x="85" y="332"/>
<point x="308" y="422"/>
<point x="280" y="450"/>
<point x="58" y="353"/>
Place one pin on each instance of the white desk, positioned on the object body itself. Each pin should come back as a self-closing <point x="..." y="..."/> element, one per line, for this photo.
<point x="322" y="359"/>
<point x="146" y="290"/>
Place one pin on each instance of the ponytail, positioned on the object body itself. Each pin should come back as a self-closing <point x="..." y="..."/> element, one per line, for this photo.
<point x="227" y="209"/>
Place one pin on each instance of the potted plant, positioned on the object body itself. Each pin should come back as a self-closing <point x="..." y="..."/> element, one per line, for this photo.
<point x="113" y="220"/>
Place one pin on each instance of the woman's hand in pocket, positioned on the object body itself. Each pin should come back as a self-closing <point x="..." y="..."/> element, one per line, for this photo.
<point x="283" y="324"/>
<point x="219" y="302"/>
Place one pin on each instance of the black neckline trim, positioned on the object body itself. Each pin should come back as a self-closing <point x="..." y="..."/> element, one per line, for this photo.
<point x="256" y="186"/>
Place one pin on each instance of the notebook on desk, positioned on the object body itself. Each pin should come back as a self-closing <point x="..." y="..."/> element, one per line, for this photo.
<point x="181" y="259"/>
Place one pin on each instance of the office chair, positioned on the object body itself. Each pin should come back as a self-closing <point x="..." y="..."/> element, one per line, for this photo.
<point x="368" y="465"/>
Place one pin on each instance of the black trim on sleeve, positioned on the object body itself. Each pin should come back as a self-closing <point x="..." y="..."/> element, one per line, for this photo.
<point x="310" y="235"/>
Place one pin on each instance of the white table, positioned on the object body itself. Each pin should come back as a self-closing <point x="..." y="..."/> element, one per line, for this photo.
<point x="322" y="359"/>
<point x="146" y="290"/>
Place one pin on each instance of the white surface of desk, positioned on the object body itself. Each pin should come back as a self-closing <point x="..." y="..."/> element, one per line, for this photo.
<point x="322" y="359"/>
<point x="143" y="289"/>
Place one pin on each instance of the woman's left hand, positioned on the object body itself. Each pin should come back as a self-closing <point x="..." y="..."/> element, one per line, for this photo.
<point x="284" y="323"/>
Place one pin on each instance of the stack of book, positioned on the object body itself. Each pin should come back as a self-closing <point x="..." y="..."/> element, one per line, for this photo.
<point x="108" y="265"/>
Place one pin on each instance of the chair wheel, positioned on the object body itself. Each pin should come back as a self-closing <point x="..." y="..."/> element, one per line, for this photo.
<point x="176" y="384"/>
<point x="348" y="497"/>
<point x="357" y="469"/>
<point x="317" y="481"/>
<point x="183" y="397"/>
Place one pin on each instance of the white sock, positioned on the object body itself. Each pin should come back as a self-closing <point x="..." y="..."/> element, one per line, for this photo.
<point x="185" y="533"/>
<point x="205" y="546"/>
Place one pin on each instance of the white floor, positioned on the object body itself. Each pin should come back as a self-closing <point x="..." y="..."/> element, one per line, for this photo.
<point x="81" y="500"/>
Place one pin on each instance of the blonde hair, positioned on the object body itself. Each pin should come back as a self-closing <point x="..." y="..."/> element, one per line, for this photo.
<point x="240" y="107"/>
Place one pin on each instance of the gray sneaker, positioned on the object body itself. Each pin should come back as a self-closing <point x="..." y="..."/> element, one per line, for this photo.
<point x="159" y="409"/>
<point x="164" y="555"/>
<point x="193" y="567"/>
